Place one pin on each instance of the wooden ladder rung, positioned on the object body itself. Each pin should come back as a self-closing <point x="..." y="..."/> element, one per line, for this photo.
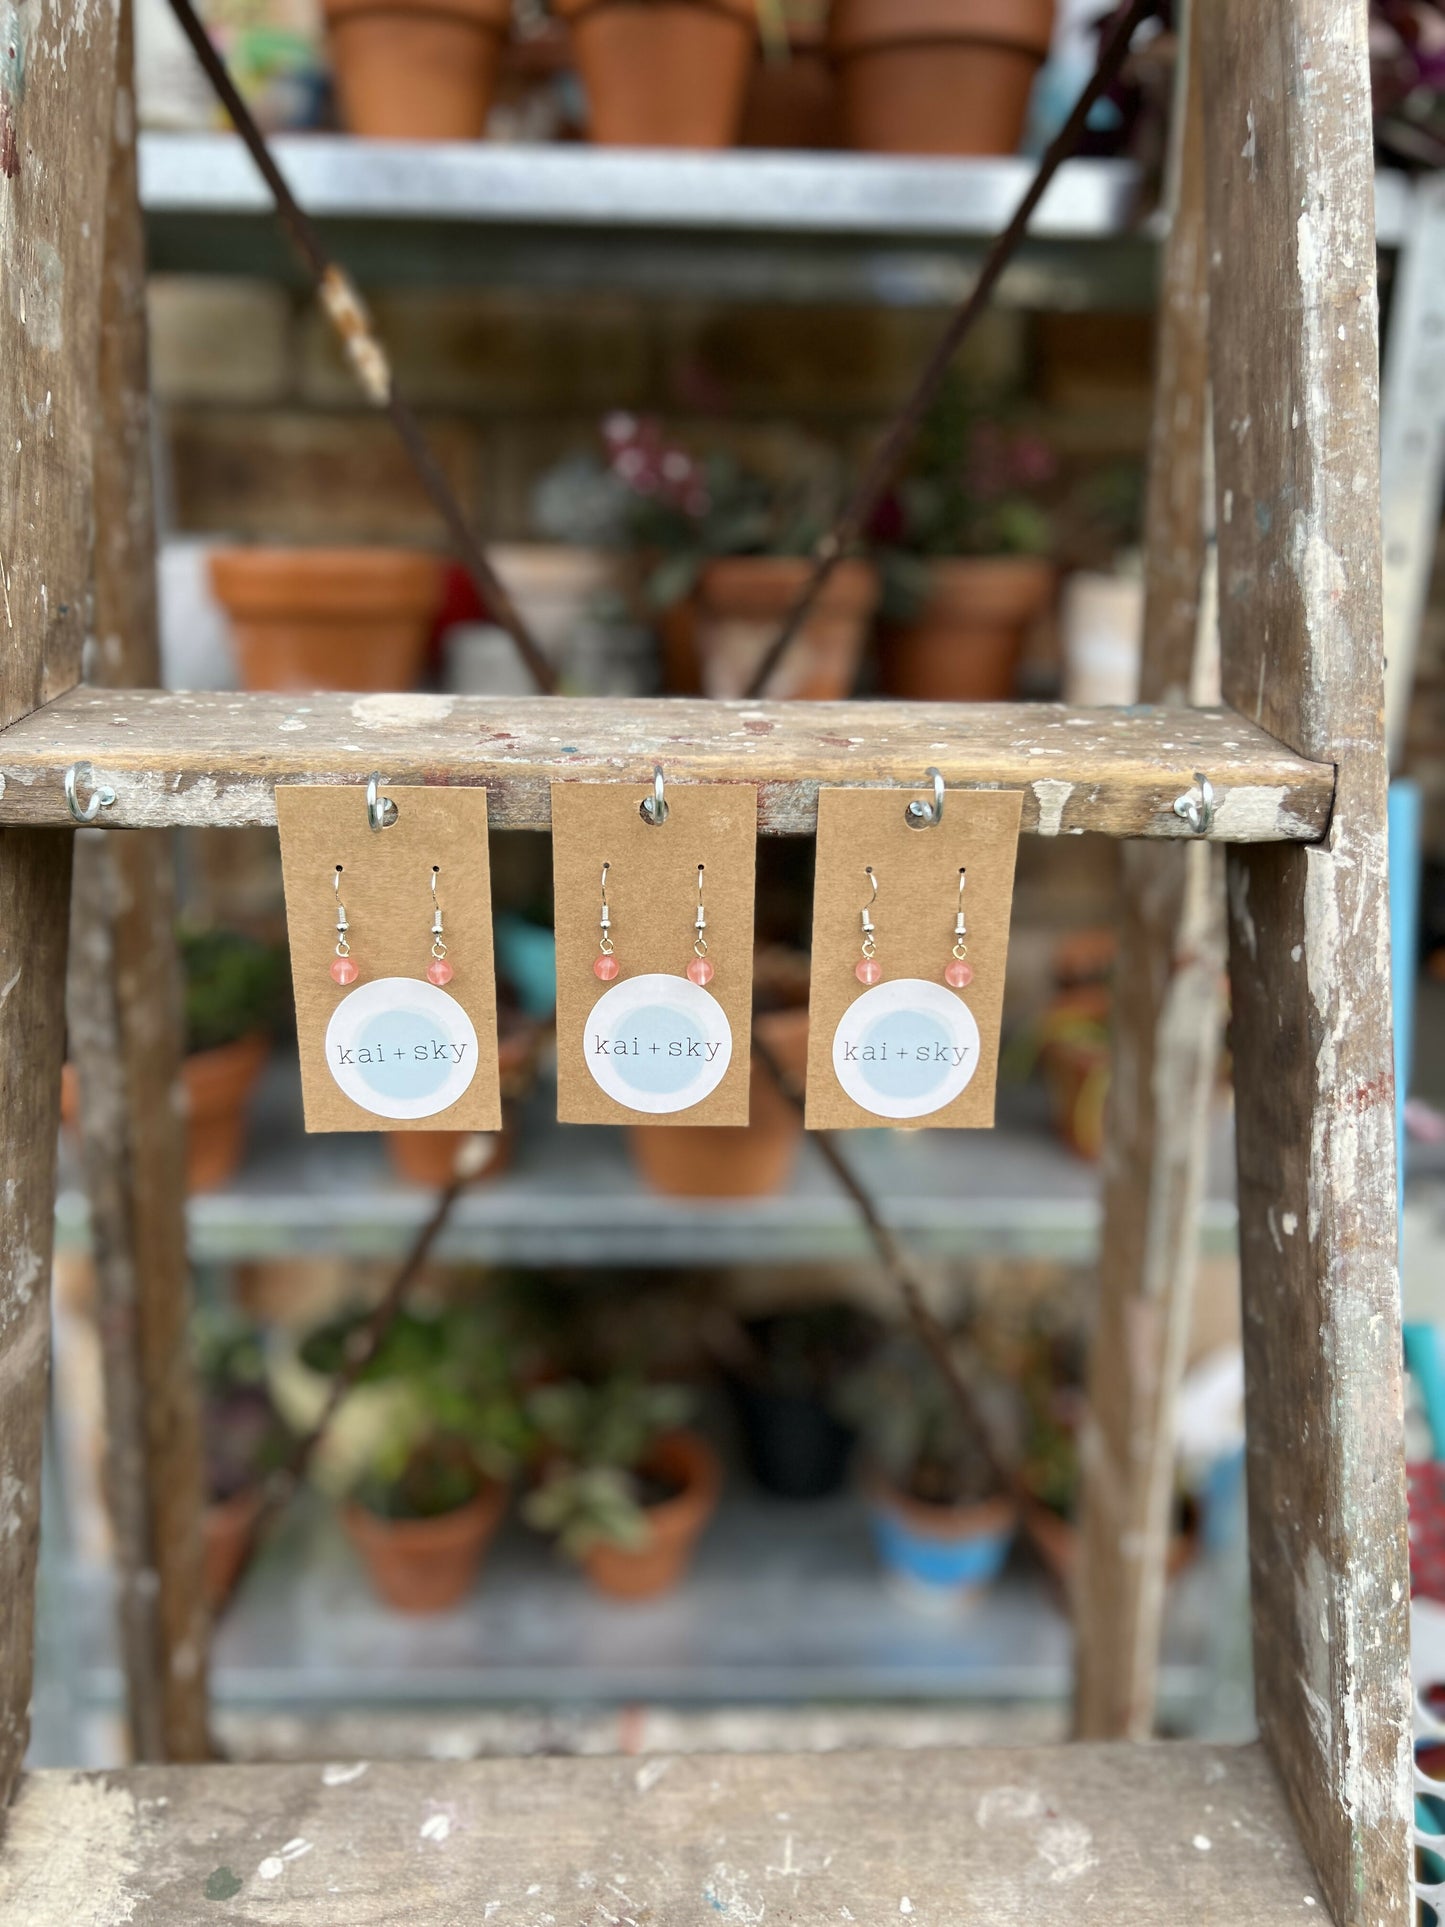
<point x="1038" y="1837"/>
<point x="214" y="759"/>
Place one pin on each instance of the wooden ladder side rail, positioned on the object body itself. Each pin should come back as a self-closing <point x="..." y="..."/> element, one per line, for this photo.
<point x="56" y="78"/>
<point x="1294" y="365"/>
<point x="126" y="1011"/>
<point x="1167" y="1012"/>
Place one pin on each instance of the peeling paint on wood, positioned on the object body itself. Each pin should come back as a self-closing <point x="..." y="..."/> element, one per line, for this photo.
<point x="214" y="759"/>
<point x="969" y="1838"/>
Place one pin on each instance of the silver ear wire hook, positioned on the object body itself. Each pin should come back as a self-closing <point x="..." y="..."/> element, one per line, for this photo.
<point x="866" y="913"/>
<point x="927" y="816"/>
<point x="102" y="796"/>
<point x="381" y="811"/>
<point x="438" y="947"/>
<point x="343" y="947"/>
<point x="653" y="809"/>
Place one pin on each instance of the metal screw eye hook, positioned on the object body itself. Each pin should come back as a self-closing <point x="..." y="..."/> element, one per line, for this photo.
<point x="438" y="948"/>
<point x="102" y="796"/>
<point x="654" y="808"/>
<point x="927" y="816"/>
<point x="381" y="811"/>
<point x="700" y="924"/>
<point x="866" y="914"/>
<point x="1196" y="806"/>
<point x="343" y="946"/>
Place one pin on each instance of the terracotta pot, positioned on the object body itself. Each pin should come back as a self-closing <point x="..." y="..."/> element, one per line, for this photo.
<point x="416" y="69"/>
<point x="429" y="1157"/>
<point x="426" y="1565"/>
<point x="964" y="644"/>
<point x="308" y="619"/>
<point x="734" y="1161"/>
<point x="739" y="605"/>
<point x="793" y="103"/>
<point x="938" y="76"/>
<point x="226" y="1528"/>
<point x="663" y="73"/>
<point x="218" y="1085"/>
<point x="1056" y="1540"/>
<point x="673" y="1527"/>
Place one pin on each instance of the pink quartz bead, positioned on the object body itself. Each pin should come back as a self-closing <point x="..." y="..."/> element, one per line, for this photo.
<point x="959" y="974"/>
<point x="605" y="968"/>
<point x="344" y="971"/>
<point x="700" y="971"/>
<point x="439" y="971"/>
<point x="868" y="970"/>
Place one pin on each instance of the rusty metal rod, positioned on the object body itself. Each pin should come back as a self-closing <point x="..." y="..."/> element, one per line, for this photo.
<point x="348" y="315"/>
<point x="888" y="457"/>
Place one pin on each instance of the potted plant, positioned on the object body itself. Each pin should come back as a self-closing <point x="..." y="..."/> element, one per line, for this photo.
<point x="938" y="76"/>
<point x="941" y="1525"/>
<point x="435" y="1486"/>
<point x="309" y="619"/>
<point x="731" y="552"/>
<point x="786" y="1372"/>
<point x="1052" y="1385"/>
<point x="410" y="72"/>
<point x="234" y="988"/>
<point x="624" y="1489"/>
<point x="301" y="1369"/>
<point x="244" y="1441"/>
<point x="966" y="548"/>
<point x="662" y="73"/>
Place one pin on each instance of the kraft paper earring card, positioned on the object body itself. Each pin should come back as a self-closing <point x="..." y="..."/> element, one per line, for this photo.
<point x="910" y="945"/>
<point x="654" y="914"/>
<point x="391" y="959"/>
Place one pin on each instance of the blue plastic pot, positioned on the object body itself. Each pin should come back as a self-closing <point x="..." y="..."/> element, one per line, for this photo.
<point x="945" y="1549"/>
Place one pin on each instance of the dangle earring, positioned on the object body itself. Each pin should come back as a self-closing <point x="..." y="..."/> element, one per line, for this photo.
<point x="605" y="965"/>
<point x="700" y="970"/>
<point x="438" y="971"/>
<point x="868" y="970"/>
<point x="959" y="975"/>
<point x="343" y="970"/>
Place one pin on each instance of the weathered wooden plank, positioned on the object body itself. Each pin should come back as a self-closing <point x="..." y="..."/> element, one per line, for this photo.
<point x="1287" y="99"/>
<point x="1167" y="1009"/>
<point x="126" y="1018"/>
<point x="52" y="199"/>
<point x="977" y="1838"/>
<point x="215" y="758"/>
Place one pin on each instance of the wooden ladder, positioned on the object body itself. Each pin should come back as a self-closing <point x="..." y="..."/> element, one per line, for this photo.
<point x="1311" y="1823"/>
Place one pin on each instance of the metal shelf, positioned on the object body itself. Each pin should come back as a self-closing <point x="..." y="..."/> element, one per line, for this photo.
<point x="745" y="226"/>
<point x="572" y="1197"/>
<point x="785" y="1603"/>
<point x="749" y="226"/>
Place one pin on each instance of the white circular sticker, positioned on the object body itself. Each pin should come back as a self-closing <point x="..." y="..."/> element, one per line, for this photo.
<point x="905" y="1049"/>
<point x="657" y="1044"/>
<point x="400" y="1047"/>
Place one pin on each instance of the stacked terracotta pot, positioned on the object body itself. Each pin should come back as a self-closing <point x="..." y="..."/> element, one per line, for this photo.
<point x="889" y="76"/>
